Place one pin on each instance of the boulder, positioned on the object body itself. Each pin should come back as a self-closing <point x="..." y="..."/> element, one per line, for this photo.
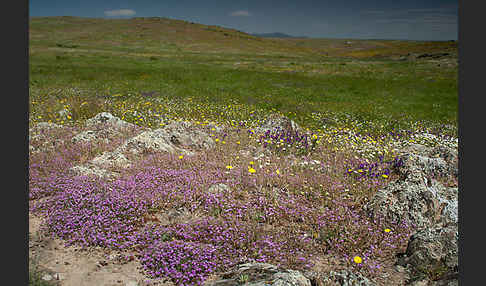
<point x="279" y="122"/>
<point x="111" y="159"/>
<point x="102" y="135"/>
<point x="433" y="252"/>
<point x="261" y="274"/>
<point x="431" y="207"/>
<point x="106" y="119"/>
<point x="173" y="139"/>
<point x="90" y="169"/>
<point x="344" y="278"/>
<point x="424" y="203"/>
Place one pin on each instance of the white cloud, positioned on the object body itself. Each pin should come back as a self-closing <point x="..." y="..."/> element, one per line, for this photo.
<point x="243" y="13"/>
<point x="120" y="12"/>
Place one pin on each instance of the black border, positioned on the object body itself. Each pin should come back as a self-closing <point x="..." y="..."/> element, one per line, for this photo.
<point x="16" y="61"/>
<point x="15" y="102"/>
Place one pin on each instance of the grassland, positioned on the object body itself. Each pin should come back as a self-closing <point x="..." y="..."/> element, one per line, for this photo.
<point x="153" y="71"/>
<point x="183" y="60"/>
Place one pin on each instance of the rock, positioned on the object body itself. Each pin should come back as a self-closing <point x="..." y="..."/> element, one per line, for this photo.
<point x="279" y="122"/>
<point x="415" y="202"/>
<point x="218" y="189"/>
<point x="90" y="169"/>
<point x="131" y="283"/>
<point x="261" y="274"/>
<point x="433" y="251"/>
<point x="439" y="160"/>
<point x="427" y="204"/>
<point x="345" y="278"/>
<point x="416" y="196"/>
<point x="47" y="277"/>
<point x="423" y="282"/>
<point x="85" y="136"/>
<point x="64" y="113"/>
<point x="151" y="141"/>
<point x="172" y="138"/>
<point x="184" y="134"/>
<point x="107" y="119"/>
<point x="96" y="135"/>
<point x="44" y="126"/>
<point x="59" y="276"/>
<point x="111" y="159"/>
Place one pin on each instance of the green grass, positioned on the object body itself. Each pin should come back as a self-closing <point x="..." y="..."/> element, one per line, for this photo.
<point x="300" y="83"/>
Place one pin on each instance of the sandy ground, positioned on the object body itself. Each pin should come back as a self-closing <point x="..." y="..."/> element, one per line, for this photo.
<point x="71" y="266"/>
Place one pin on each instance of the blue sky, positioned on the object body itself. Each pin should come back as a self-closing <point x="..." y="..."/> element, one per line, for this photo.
<point x="365" y="19"/>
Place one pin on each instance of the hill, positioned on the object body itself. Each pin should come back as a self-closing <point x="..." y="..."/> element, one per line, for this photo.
<point x="156" y="35"/>
<point x="276" y="35"/>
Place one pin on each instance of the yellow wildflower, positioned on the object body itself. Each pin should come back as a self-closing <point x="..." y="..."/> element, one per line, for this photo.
<point x="358" y="259"/>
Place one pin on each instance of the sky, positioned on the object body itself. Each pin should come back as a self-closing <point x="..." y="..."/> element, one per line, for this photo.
<point x="424" y="20"/>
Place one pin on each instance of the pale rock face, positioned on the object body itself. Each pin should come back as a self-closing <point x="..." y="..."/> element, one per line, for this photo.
<point x="426" y="203"/>
<point x="278" y="122"/>
<point x="106" y="118"/>
<point x="176" y="138"/>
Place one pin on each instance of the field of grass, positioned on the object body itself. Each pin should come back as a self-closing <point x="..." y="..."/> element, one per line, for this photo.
<point x="360" y="103"/>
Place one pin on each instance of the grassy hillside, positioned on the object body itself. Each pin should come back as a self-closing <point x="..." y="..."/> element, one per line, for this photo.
<point x="299" y="77"/>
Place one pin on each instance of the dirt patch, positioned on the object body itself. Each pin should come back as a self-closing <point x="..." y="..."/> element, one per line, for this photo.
<point x="72" y="266"/>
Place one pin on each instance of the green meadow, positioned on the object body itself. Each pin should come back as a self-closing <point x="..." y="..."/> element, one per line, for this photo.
<point x="129" y="57"/>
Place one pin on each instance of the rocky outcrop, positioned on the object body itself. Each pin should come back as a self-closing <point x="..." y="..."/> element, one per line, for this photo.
<point x="418" y="197"/>
<point x="178" y="138"/>
<point x="343" y="278"/>
<point x="261" y="274"/>
<point x="107" y="120"/>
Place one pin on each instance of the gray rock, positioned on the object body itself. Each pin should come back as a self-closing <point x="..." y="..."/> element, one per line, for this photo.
<point x="430" y="206"/>
<point x="261" y="274"/>
<point x="85" y="136"/>
<point x="416" y="196"/>
<point x="275" y="121"/>
<point x="90" y="169"/>
<point x="111" y="159"/>
<point x="131" y="283"/>
<point x="47" y="277"/>
<point x="107" y="119"/>
<point x="150" y="141"/>
<point x="218" y="189"/>
<point x="434" y="250"/>
<point x="345" y="278"/>
<point x="417" y="202"/>
<point x="173" y="139"/>
<point x="96" y="135"/>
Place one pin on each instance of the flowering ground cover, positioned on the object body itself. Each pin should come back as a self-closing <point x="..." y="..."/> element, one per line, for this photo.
<point x="296" y="199"/>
